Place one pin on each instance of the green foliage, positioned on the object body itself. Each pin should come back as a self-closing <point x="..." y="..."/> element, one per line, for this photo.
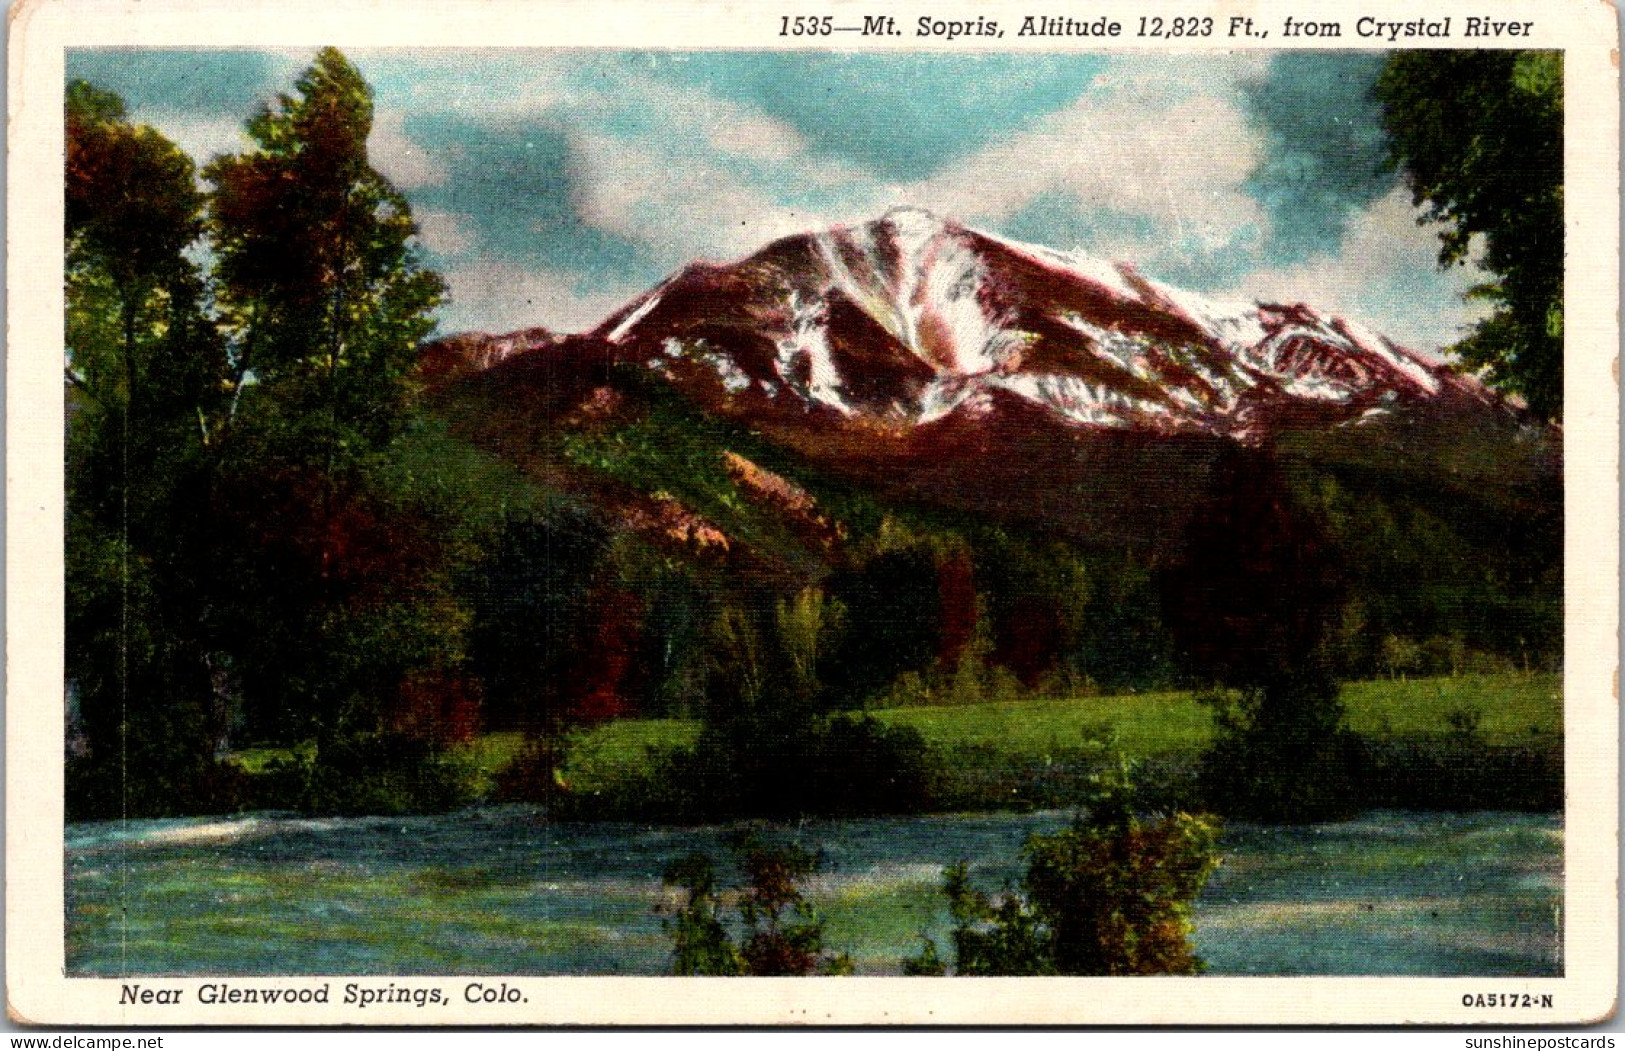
<point x="893" y="622"/>
<point x="1400" y="655"/>
<point x="1037" y="596"/>
<point x="1122" y="641"/>
<point x="1460" y="770"/>
<point x="364" y="774"/>
<point x="142" y="376"/>
<point x="805" y="624"/>
<point x="783" y="936"/>
<point x="532" y="603"/>
<point x="1479" y="137"/>
<point x="322" y="296"/>
<point x="1281" y="754"/>
<point x="769" y="745"/>
<point x="1463" y="577"/>
<point x="701" y="944"/>
<point x="929" y="963"/>
<point x="1111" y="895"/>
<point x="1464" y="722"/>
<point x="130" y="204"/>
<point x="1003" y="938"/>
<point x="835" y="765"/>
<point x="238" y="561"/>
<point x="333" y="601"/>
<point x="318" y="278"/>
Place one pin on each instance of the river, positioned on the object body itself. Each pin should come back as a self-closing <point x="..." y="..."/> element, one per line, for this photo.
<point x="503" y="891"/>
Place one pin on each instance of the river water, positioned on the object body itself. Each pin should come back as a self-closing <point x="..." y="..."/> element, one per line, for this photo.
<point x="503" y="891"/>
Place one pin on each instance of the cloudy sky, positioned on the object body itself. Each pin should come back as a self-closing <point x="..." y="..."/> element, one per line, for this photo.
<point x="552" y="186"/>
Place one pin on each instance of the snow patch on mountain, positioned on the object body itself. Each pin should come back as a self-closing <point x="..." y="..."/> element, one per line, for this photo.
<point x="1406" y="363"/>
<point x="1097" y="271"/>
<point x="802" y="358"/>
<point x="869" y="296"/>
<point x="942" y="396"/>
<point x="631" y="320"/>
<point x="1129" y="352"/>
<point x="1233" y="325"/>
<point x="1071" y="397"/>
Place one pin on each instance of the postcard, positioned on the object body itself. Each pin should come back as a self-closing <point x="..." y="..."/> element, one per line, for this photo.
<point x="541" y="513"/>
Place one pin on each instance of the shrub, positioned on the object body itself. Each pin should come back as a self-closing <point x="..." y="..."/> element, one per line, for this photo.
<point x="701" y="944"/>
<point x="1459" y="771"/>
<point x="1281" y="752"/>
<point x="1111" y="895"/>
<point x="840" y="765"/>
<point x="99" y="790"/>
<point x="1463" y="722"/>
<point x="365" y="774"/>
<point x="536" y="774"/>
<point x="783" y="935"/>
<point x="771" y="746"/>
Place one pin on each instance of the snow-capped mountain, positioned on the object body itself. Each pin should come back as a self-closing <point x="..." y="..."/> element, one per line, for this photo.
<point x="911" y="319"/>
<point x="929" y="362"/>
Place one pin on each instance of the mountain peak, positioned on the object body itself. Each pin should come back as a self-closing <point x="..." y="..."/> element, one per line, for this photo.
<point x="913" y="222"/>
<point x="895" y="324"/>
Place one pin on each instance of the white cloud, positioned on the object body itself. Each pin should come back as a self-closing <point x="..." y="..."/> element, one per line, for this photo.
<point x="754" y="136"/>
<point x="446" y="233"/>
<point x="1178" y="161"/>
<point x="201" y="138"/>
<point x="480" y="83"/>
<point x="1384" y="275"/>
<point x="712" y="177"/>
<point x="403" y="162"/>
<point x="500" y="296"/>
<point x="690" y="206"/>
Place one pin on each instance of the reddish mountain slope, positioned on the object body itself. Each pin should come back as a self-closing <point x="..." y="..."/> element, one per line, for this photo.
<point x="931" y="361"/>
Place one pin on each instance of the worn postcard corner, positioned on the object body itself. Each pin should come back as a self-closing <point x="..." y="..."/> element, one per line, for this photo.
<point x="627" y="514"/>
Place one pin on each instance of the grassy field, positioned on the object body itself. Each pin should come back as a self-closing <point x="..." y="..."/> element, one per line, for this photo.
<point x="1506" y="709"/>
<point x="1511" y="708"/>
<point x="1022" y="739"/>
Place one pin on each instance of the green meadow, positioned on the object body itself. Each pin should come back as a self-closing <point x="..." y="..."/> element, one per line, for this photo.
<point x="1166" y="728"/>
<point x="1503" y="710"/>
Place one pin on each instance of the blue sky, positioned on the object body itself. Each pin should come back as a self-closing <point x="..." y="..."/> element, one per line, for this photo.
<point x="552" y="186"/>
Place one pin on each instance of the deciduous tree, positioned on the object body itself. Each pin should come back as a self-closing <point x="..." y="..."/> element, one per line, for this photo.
<point x="143" y="370"/>
<point x="1479" y="138"/>
<point x="320" y="283"/>
<point x="325" y="302"/>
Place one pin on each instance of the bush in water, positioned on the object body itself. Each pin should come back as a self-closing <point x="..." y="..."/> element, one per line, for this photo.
<point x="783" y="936"/>
<point x="1111" y="895"/>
